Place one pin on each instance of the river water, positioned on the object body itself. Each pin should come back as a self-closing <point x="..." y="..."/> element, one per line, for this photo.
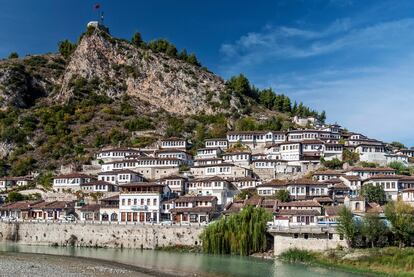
<point x="183" y="264"/>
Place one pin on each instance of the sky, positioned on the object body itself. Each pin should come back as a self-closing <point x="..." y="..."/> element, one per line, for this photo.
<point x="353" y="59"/>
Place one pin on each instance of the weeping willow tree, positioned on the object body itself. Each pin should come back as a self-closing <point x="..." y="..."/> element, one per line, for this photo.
<point x="239" y="234"/>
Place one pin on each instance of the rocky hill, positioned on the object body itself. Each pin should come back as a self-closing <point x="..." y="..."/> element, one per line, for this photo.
<point x="60" y="108"/>
<point x="119" y="69"/>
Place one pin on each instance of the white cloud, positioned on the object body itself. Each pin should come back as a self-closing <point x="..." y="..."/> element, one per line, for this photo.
<point x="284" y="43"/>
<point x="369" y="90"/>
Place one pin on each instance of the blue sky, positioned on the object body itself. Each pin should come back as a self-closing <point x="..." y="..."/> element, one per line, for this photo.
<point x="353" y="59"/>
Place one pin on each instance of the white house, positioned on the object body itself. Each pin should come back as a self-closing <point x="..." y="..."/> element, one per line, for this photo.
<point x="177" y="184"/>
<point x="401" y="158"/>
<point x="186" y="157"/>
<point x="366" y="172"/>
<point x="141" y="202"/>
<point x="70" y="182"/>
<point x="237" y="158"/>
<point x="326" y="175"/>
<point x="115" y="154"/>
<point x="120" y="176"/>
<point x="193" y="209"/>
<point x="408" y="196"/>
<point x="98" y="186"/>
<point x="390" y="184"/>
<point x="223" y="189"/>
<point x="173" y="143"/>
<point x="208" y="153"/>
<point x="372" y="152"/>
<point x="290" y="151"/>
<point x="224" y="170"/>
<point x="221" y="143"/>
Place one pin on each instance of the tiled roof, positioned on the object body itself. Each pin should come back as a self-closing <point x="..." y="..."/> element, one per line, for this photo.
<point x="372" y="169"/>
<point x="119" y="171"/>
<point x="194" y="210"/>
<point x="323" y="199"/>
<point x="299" y="212"/>
<point x="328" y="172"/>
<point x="332" y="210"/>
<point x="195" y="199"/>
<point x="98" y="182"/>
<point x="90" y="208"/>
<point x="352" y="177"/>
<point x="72" y="175"/>
<point x="141" y="184"/>
<point x="385" y="176"/>
<point x="305" y="203"/>
<point x="20" y="205"/>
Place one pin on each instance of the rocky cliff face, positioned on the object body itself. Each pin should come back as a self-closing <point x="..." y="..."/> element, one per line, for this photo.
<point x="154" y="79"/>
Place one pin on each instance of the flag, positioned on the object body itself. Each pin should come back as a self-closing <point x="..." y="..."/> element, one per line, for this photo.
<point x="97" y="6"/>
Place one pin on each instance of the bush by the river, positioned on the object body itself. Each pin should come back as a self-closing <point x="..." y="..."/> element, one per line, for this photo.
<point x="239" y="234"/>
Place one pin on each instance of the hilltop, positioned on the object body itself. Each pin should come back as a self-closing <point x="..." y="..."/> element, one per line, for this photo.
<point x="59" y="108"/>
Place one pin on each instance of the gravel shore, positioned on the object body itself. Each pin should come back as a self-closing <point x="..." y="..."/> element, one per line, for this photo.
<point x="33" y="265"/>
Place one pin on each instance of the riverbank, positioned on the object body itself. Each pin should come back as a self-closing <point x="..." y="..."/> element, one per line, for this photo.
<point x="26" y="264"/>
<point x="389" y="261"/>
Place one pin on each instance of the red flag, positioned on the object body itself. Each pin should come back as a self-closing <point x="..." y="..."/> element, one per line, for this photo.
<point x="97" y="6"/>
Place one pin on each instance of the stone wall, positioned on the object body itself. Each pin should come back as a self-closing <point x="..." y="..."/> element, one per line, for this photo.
<point x="313" y="242"/>
<point x="100" y="235"/>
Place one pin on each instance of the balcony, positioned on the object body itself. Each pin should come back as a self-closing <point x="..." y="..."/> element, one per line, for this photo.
<point x="139" y="207"/>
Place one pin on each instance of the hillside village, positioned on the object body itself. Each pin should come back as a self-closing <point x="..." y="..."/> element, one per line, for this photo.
<point x="302" y="175"/>
<point x="167" y="184"/>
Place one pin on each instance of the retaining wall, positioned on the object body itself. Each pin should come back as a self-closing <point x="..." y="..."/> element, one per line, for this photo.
<point x="313" y="242"/>
<point x="100" y="235"/>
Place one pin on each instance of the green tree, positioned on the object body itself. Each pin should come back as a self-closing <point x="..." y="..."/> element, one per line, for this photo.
<point x="335" y="163"/>
<point x="66" y="48"/>
<point x="183" y="55"/>
<point x="399" y="167"/>
<point x="192" y="59"/>
<point x="171" y="51"/>
<point x="246" y="124"/>
<point x="374" y="193"/>
<point x="239" y="84"/>
<point x="23" y="166"/>
<point x="398" y="145"/>
<point x="286" y="105"/>
<point x="347" y="227"/>
<point x="45" y="180"/>
<point x="14" y="197"/>
<point x="3" y="168"/>
<point x="373" y="228"/>
<point x="322" y="116"/>
<point x="350" y="157"/>
<point x="282" y="195"/>
<point x="267" y="98"/>
<point x="13" y="55"/>
<point x="137" y="39"/>
<point x="400" y="215"/>
<point x="240" y="234"/>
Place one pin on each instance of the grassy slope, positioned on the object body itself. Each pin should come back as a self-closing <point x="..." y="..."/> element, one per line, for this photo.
<point x="388" y="261"/>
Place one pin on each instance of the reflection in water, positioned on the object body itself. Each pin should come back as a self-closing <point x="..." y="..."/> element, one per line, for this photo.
<point x="183" y="263"/>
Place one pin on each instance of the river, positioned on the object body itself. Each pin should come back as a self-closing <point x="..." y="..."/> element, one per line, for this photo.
<point x="182" y="264"/>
